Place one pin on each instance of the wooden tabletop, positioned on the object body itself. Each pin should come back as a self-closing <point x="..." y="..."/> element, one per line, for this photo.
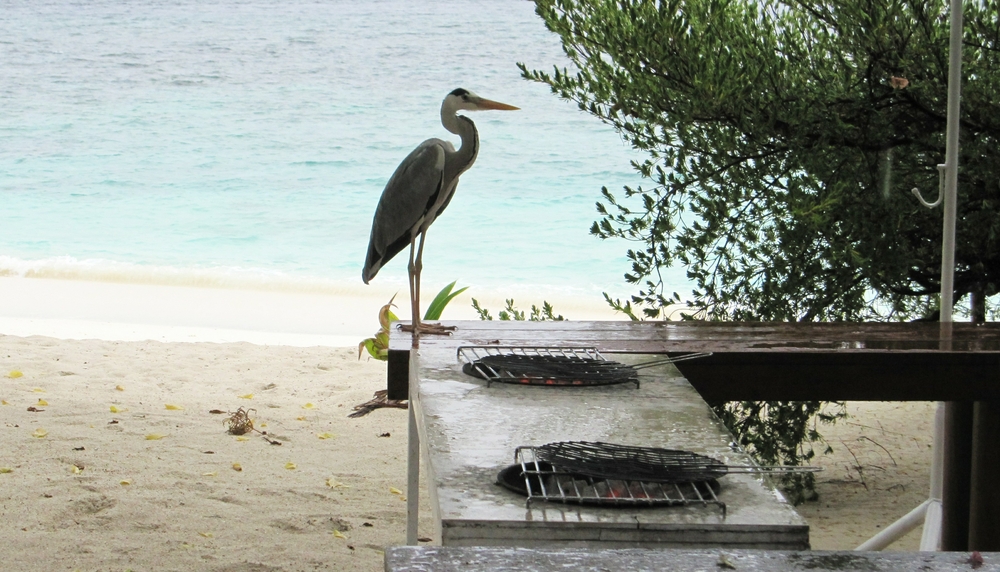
<point x="777" y="361"/>
<point x="681" y="336"/>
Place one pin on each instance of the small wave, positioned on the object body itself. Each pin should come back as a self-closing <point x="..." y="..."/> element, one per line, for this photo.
<point x="575" y="302"/>
<point x="247" y="239"/>
<point x="321" y="163"/>
<point x="233" y="278"/>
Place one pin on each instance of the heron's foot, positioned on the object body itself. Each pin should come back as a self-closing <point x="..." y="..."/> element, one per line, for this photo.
<point x="431" y="329"/>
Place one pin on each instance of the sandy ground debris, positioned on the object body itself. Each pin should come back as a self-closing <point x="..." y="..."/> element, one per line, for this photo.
<point x="122" y="466"/>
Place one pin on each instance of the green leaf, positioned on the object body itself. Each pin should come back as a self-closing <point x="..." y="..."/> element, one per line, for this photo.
<point x="374" y="349"/>
<point x="441" y="300"/>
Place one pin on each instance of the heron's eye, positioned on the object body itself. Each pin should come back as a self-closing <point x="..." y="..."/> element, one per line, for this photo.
<point x="465" y="97"/>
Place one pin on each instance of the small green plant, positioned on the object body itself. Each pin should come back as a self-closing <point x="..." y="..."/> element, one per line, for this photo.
<point x="441" y="300"/>
<point x="543" y="314"/>
<point x="378" y="345"/>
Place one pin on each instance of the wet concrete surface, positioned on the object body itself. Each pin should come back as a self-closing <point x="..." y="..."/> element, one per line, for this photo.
<point x="444" y="559"/>
<point x="469" y="432"/>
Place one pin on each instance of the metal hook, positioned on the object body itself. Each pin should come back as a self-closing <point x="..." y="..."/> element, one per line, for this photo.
<point x="942" y="168"/>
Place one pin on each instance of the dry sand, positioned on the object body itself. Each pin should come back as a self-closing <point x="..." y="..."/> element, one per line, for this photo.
<point x="96" y="493"/>
<point x="879" y="470"/>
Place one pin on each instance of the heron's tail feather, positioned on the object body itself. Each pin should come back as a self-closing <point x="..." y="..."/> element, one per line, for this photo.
<point x="375" y="259"/>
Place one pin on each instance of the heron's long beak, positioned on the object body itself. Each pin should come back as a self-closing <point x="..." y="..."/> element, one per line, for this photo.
<point x="490" y="104"/>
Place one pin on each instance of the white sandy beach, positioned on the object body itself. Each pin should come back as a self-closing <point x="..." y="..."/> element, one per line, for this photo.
<point x="103" y="475"/>
<point x="270" y="314"/>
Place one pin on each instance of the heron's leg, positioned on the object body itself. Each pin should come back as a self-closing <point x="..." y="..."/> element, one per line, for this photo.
<point x="418" y="266"/>
<point x="413" y="274"/>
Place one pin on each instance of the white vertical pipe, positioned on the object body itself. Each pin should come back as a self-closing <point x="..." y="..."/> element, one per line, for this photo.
<point x="951" y="160"/>
<point x="412" y="457"/>
<point x="931" y="510"/>
<point x="930" y="540"/>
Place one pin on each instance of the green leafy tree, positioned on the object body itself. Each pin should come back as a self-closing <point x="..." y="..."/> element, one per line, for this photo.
<point x="782" y="140"/>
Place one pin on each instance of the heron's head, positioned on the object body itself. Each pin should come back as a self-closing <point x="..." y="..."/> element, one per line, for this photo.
<point x="464" y="99"/>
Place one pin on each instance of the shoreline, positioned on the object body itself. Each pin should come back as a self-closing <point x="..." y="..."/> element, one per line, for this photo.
<point x="85" y="309"/>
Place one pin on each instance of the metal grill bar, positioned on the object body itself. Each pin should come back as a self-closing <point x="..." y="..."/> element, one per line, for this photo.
<point x="610" y="372"/>
<point x="471" y="353"/>
<point x="647" y="464"/>
<point x="666" y="360"/>
<point x="541" y="365"/>
<point x="543" y="481"/>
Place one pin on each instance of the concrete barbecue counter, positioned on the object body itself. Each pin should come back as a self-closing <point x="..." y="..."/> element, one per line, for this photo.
<point x="469" y="432"/>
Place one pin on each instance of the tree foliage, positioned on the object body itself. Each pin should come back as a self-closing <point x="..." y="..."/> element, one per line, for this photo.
<point x="783" y="138"/>
<point x="782" y="432"/>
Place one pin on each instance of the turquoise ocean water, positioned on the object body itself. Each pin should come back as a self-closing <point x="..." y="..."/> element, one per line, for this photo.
<point x="247" y="142"/>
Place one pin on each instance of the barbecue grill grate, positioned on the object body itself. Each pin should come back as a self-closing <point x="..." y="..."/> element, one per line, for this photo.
<point x="550" y="366"/>
<point x="538" y="479"/>
<point x="613" y="461"/>
<point x="544" y="366"/>
<point x="610" y="461"/>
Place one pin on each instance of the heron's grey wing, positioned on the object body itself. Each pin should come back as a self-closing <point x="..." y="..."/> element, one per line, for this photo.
<point x="407" y="197"/>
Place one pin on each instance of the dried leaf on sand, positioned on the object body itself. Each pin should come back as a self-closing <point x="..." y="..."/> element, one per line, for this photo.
<point x="381" y="399"/>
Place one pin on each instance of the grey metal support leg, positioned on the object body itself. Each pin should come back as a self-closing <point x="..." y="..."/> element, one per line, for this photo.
<point x="984" y="495"/>
<point x="957" y="475"/>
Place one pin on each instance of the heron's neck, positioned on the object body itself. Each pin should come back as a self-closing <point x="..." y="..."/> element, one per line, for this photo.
<point x="466" y="129"/>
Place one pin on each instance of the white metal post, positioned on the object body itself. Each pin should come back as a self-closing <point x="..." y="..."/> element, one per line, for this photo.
<point x="931" y="510"/>
<point x="930" y="540"/>
<point x="412" y="456"/>
<point x="951" y="161"/>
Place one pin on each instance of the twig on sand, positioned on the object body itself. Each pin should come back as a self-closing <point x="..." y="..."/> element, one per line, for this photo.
<point x="240" y="423"/>
<point x="380" y="400"/>
<point x="879" y="445"/>
<point x="858" y="467"/>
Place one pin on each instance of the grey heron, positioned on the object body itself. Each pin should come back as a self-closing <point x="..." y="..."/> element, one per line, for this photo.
<point x="418" y="192"/>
